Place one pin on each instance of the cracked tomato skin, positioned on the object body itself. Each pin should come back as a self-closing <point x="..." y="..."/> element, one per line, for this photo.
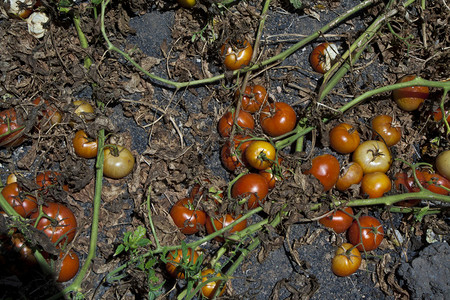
<point x="11" y="129"/>
<point x="69" y="266"/>
<point x="350" y="174"/>
<point x="223" y="221"/>
<point x="383" y="127"/>
<point x="322" y="57"/>
<point x="339" y="220"/>
<point x="244" y="120"/>
<point x="176" y="257"/>
<point x="186" y="217"/>
<point x="373" y="156"/>
<point x="344" y="138"/>
<point x="277" y="119"/>
<point x="236" y="55"/>
<point x="326" y="169"/>
<point x="22" y="203"/>
<point x="345" y="261"/>
<point x="83" y="145"/>
<point x="372" y="233"/>
<point x="410" y="98"/>
<point x="252" y="186"/>
<point x="254" y="98"/>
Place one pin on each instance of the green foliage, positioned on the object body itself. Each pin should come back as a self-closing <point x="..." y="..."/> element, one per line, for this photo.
<point x="133" y="240"/>
<point x="296" y="3"/>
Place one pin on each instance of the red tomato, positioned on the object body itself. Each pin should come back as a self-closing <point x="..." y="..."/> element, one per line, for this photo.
<point x="260" y="155"/>
<point x="435" y="183"/>
<point x="344" y="138"/>
<point x="384" y="128"/>
<point x="49" y="179"/>
<point x="277" y="118"/>
<point x="244" y="120"/>
<point x="274" y="174"/>
<point x="62" y="225"/>
<point x="232" y="159"/>
<point x="323" y="56"/>
<point x="11" y="129"/>
<point x="443" y="164"/>
<point x="326" y="169"/>
<point x="375" y="184"/>
<point x="224" y="221"/>
<point x="236" y="55"/>
<point x="83" y="146"/>
<point x="254" y="98"/>
<point x="252" y="187"/>
<point x="372" y="233"/>
<point x="69" y="266"/>
<point x="373" y="156"/>
<point x="402" y="179"/>
<point x="187" y="217"/>
<point x="437" y="115"/>
<point x="339" y="220"/>
<point x="118" y="162"/>
<point x="177" y="259"/>
<point x="410" y="98"/>
<point x="210" y="288"/>
<point x="22" y="203"/>
<point x="345" y="261"/>
<point x="26" y="252"/>
<point x="351" y="174"/>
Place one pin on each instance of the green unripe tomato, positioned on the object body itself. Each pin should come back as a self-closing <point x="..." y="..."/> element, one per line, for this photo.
<point x="443" y="164"/>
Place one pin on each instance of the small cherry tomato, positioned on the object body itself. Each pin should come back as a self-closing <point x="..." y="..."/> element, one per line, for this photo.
<point x="83" y="146"/>
<point x="345" y="261"/>
<point x="232" y="159"/>
<point x="350" y="174"/>
<point x="84" y="110"/>
<point x="210" y="288"/>
<point x="344" y="138"/>
<point x="186" y="3"/>
<point x="118" y="162"/>
<point x="436" y="183"/>
<point x="443" y="164"/>
<point x="323" y="56"/>
<point x="187" y="218"/>
<point x="253" y="187"/>
<point x="49" y="179"/>
<point x="410" y="98"/>
<point x="224" y="221"/>
<point x="373" y="156"/>
<point x="260" y="155"/>
<point x="69" y="266"/>
<point x="236" y="55"/>
<point x="385" y="129"/>
<point x="339" y="221"/>
<point x="326" y="169"/>
<point x="244" y="120"/>
<point x="254" y="98"/>
<point x="372" y="233"/>
<point x="375" y="184"/>
<point x="176" y="258"/>
<point x="11" y="178"/>
<point x="22" y="203"/>
<point x="277" y="119"/>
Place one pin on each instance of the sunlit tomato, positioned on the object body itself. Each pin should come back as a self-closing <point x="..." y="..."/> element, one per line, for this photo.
<point x="410" y="98"/>
<point x="186" y="3"/>
<point x="84" y="146"/>
<point x="62" y="225"/>
<point x="323" y="56"/>
<point x="375" y="184"/>
<point x="345" y="261"/>
<point x="20" y="246"/>
<point x="372" y="233"/>
<point x="326" y="169"/>
<point x="232" y="159"/>
<point x="49" y="179"/>
<point x="384" y="128"/>
<point x="253" y="99"/>
<point x="404" y="183"/>
<point x="339" y="220"/>
<point x="118" y="162"/>
<point x="244" y="120"/>
<point x="373" y="156"/>
<point x="210" y="288"/>
<point x="224" y="221"/>
<point x="176" y="258"/>
<point x="437" y="115"/>
<point x="11" y="129"/>
<point x="236" y="54"/>
<point x="252" y="187"/>
<point x="277" y="118"/>
<point x="69" y="266"/>
<point x="436" y="183"/>
<point x="443" y="164"/>
<point x="350" y="174"/>
<point x="187" y="217"/>
<point x="260" y="155"/>
<point x="51" y="115"/>
<point x="344" y="138"/>
<point x="22" y="203"/>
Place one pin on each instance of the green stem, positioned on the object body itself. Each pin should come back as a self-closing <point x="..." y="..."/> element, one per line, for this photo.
<point x="82" y="38"/>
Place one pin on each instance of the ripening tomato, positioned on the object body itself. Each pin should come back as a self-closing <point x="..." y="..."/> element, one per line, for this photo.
<point x="260" y="155"/>
<point x="339" y="221"/>
<point x="49" y="179"/>
<point x="187" y="218"/>
<point x="176" y="258"/>
<point x="254" y="98"/>
<point x="69" y="266"/>
<point x="402" y="182"/>
<point x="345" y="261"/>
<point x="437" y="115"/>
<point x="372" y="233"/>
<point x="232" y="159"/>
<point x="383" y="127"/>
<point x="224" y="221"/>
<point x="375" y="184"/>
<point x="410" y="98"/>
<point x="11" y="129"/>
<point x="326" y="169"/>
<point x="62" y="225"/>
<point x="83" y="110"/>
<point x="211" y="287"/>
<point x="118" y="162"/>
<point x="350" y="174"/>
<point x="20" y="201"/>
<point x="83" y="145"/>
<point x="236" y="54"/>
<point x="373" y="156"/>
<point x="253" y="187"/>
<point x="51" y="115"/>
<point x="277" y="118"/>
<point x="11" y="178"/>
<point x="244" y="121"/>
<point x="443" y="164"/>
<point x="436" y="183"/>
<point x="323" y="56"/>
<point x="344" y="138"/>
<point x="186" y="3"/>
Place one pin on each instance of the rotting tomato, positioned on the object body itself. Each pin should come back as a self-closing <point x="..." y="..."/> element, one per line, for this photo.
<point x="58" y="223"/>
<point x="118" y="162"/>
<point x="231" y="160"/>
<point x="339" y="221"/>
<point x="19" y="8"/>
<point x="345" y="261"/>
<point x="350" y="174"/>
<point x="277" y="119"/>
<point x="83" y="146"/>
<point x="323" y="56"/>
<point x="20" y="201"/>
<point x="187" y="218"/>
<point x="436" y="183"/>
<point x="402" y="182"/>
<point x="253" y="99"/>
<point x="187" y="3"/>
<point x="373" y="156"/>
<point x="11" y="129"/>
<point x="236" y="54"/>
<point x="244" y="121"/>
<point x="51" y="115"/>
<point x="372" y="233"/>
<point x="260" y="155"/>
<point x="443" y="164"/>
<point x="176" y="258"/>
<point x="326" y="169"/>
<point x="384" y="127"/>
<point x="223" y="221"/>
<point x="211" y="287"/>
<point x="375" y="184"/>
<point x="410" y="98"/>
<point x="344" y="138"/>
<point x="49" y="179"/>
<point x="69" y="266"/>
<point x="253" y="187"/>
